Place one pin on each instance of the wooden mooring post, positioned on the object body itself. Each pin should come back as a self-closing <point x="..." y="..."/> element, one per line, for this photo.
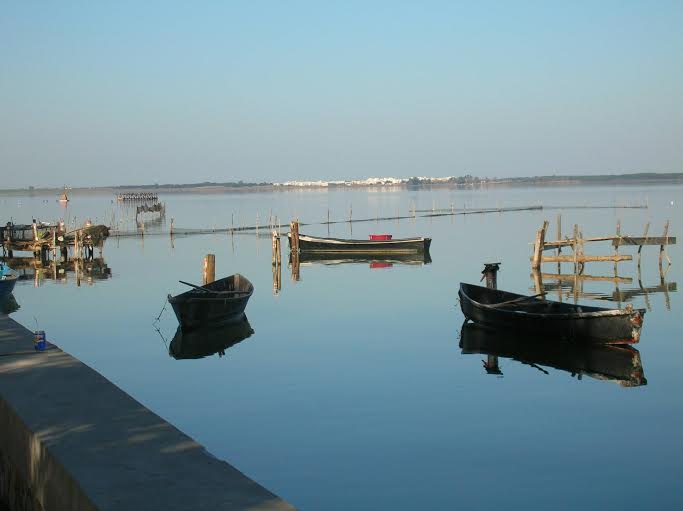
<point x="276" y="264"/>
<point x="538" y="247"/>
<point x="209" y="273"/>
<point x="490" y="273"/>
<point x="294" y="250"/>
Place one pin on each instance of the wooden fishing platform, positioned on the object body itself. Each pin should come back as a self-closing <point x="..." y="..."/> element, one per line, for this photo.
<point x="42" y="238"/>
<point x="576" y="242"/>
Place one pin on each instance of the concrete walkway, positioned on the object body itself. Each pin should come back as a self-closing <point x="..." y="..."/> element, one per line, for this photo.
<point x="81" y="443"/>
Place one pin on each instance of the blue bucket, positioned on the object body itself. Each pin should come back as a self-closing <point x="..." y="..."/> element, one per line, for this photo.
<point x="39" y="341"/>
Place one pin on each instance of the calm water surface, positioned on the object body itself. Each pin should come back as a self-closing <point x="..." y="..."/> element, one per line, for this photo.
<point x="353" y="391"/>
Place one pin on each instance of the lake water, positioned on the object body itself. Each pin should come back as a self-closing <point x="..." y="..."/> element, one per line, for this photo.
<point x="353" y="392"/>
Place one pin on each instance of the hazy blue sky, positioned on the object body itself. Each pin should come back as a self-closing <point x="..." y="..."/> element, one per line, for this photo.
<point x="96" y="93"/>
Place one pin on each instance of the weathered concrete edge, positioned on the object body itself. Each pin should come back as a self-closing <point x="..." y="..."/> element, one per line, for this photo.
<point x="70" y="439"/>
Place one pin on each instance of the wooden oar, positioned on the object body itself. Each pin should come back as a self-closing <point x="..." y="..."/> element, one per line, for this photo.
<point x="517" y="300"/>
<point x="203" y="289"/>
<point x="194" y="286"/>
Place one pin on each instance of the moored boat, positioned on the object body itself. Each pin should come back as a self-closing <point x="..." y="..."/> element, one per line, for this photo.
<point x="504" y="310"/>
<point x="8" y="278"/>
<point x="349" y="246"/>
<point x="221" y="300"/>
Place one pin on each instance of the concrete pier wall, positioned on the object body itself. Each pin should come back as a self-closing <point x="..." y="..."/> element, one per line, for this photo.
<point x="70" y="439"/>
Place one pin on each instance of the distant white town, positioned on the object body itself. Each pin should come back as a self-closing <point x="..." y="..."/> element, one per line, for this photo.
<point x="384" y="181"/>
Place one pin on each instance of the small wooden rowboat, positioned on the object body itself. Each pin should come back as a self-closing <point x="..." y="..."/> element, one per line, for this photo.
<point x="8" y="279"/>
<point x="619" y="364"/>
<point x="510" y="311"/>
<point x="337" y="245"/>
<point x="222" y="300"/>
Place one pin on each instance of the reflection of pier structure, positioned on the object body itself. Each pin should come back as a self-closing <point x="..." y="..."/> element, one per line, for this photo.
<point x="568" y="286"/>
<point x="77" y="270"/>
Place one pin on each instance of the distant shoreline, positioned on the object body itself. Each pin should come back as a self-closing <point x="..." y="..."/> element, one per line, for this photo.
<point x="414" y="183"/>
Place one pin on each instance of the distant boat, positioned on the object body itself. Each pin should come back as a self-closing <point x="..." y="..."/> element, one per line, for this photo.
<point x="64" y="197"/>
<point x="205" y="341"/>
<point x="556" y="320"/>
<point x="334" y="258"/>
<point x="221" y="300"/>
<point x="620" y="364"/>
<point x="346" y="246"/>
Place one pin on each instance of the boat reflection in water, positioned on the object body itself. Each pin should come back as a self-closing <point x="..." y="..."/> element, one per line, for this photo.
<point x="204" y="341"/>
<point x="377" y="261"/>
<point x="8" y="304"/>
<point x="617" y="363"/>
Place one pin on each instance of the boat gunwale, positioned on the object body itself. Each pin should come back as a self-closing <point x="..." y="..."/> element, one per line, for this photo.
<point x="549" y="315"/>
<point x="342" y="241"/>
<point x="195" y="295"/>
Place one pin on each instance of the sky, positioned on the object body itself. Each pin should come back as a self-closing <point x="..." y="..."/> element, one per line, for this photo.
<point x="108" y="93"/>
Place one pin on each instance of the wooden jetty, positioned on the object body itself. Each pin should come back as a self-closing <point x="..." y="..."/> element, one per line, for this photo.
<point x="42" y="239"/>
<point x="577" y="241"/>
<point x="137" y="197"/>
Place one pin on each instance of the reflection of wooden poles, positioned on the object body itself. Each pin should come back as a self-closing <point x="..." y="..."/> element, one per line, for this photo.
<point x="640" y="247"/>
<point x="572" y="277"/>
<point x="662" y="248"/>
<point x="209" y="274"/>
<point x="538" y="281"/>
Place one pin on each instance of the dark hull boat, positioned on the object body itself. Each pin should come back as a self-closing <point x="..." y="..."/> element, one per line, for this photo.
<point x="202" y="342"/>
<point x="556" y="320"/>
<point x="333" y="258"/>
<point x="222" y="300"/>
<point x="342" y="246"/>
<point x="620" y="364"/>
<point x="7" y="283"/>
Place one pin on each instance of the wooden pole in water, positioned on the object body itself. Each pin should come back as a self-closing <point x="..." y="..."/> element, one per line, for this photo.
<point x="662" y="249"/>
<point x="616" y="244"/>
<point x="575" y="248"/>
<point x="294" y="232"/>
<point x="559" y="249"/>
<point x="209" y="274"/>
<point x="277" y="267"/>
<point x="538" y="247"/>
